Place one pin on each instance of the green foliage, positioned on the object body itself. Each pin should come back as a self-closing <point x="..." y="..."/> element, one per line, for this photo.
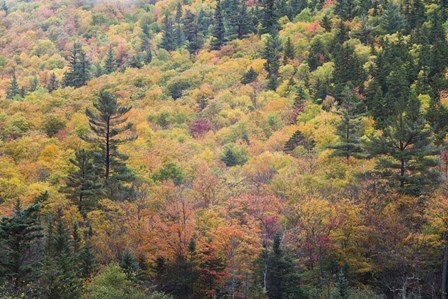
<point x="53" y="84"/>
<point x="19" y="236"/>
<point x="170" y="171"/>
<point x="407" y="156"/>
<point x="83" y="183"/>
<point x="272" y="55"/>
<point x="110" y="65"/>
<point x="13" y="90"/>
<point x="52" y="125"/>
<point x="249" y="76"/>
<point x="108" y="125"/>
<point x="218" y="32"/>
<point x="177" y="87"/>
<point x="112" y="283"/>
<point x="79" y="71"/>
<point x="233" y="155"/>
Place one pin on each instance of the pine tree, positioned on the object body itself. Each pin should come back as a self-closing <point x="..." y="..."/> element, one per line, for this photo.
<point x="59" y="274"/>
<point x="107" y="124"/>
<point x="272" y="55"/>
<point x="349" y="130"/>
<point x="53" y="84"/>
<point x="83" y="185"/>
<point x="169" y="39"/>
<point x="229" y="158"/>
<point x="79" y="71"/>
<point x="98" y="70"/>
<point x="218" y="28"/>
<point x="406" y="154"/>
<point x="19" y="242"/>
<point x="13" y="90"/>
<point x="110" y="64"/>
<point x="298" y="139"/>
<point x="288" y="51"/>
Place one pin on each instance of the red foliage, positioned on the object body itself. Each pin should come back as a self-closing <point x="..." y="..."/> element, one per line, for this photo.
<point x="199" y="127"/>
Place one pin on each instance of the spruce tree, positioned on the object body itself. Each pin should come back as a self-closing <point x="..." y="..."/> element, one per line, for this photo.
<point x="249" y="76"/>
<point x="272" y="55"/>
<point x="347" y="70"/>
<point x="288" y="51"/>
<point x="59" y="273"/>
<point x="13" y="90"/>
<point x="110" y="128"/>
<point x="83" y="185"/>
<point x="169" y="39"/>
<point x="53" y="84"/>
<point x="110" y="64"/>
<point x="178" y="32"/>
<point x="318" y="54"/>
<point x="326" y="23"/>
<point x="98" y="70"/>
<point x="129" y="264"/>
<point x="218" y="32"/>
<point x="269" y="17"/>
<point x="86" y="261"/>
<point x="192" y="34"/>
<point x="79" y="66"/>
<point x="406" y="154"/>
<point x="19" y="245"/>
<point x="282" y="280"/>
<point x="345" y="9"/>
<point x="349" y="129"/>
<point x="203" y="22"/>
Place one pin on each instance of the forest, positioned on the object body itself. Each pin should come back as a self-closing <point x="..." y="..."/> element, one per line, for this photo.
<point x="226" y="149"/>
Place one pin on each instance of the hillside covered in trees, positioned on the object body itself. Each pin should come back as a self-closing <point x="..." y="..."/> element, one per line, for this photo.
<point x="259" y="149"/>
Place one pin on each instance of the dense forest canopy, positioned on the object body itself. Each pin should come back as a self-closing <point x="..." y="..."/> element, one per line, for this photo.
<point x="223" y="149"/>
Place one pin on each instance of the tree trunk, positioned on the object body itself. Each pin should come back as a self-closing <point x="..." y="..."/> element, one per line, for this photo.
<point x="444" y="272"/>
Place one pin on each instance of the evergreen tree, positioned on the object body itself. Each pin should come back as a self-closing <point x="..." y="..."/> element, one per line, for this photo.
<point x="53" y="84"/>
<point x="83" y="185"/>
<point x="59" y="274"/>
<point x="218" y="28"/>
<point x="178" y="32"/>
<point x="295" y="7"/>
<point x="342" y="285"/>
<point x="34" y="83"/>
<point x="349" y="130"/>
<point x="347" y="70"/>
<point x="272" y="55"/>
<point x="129" y="264"/>
<point x="19" y="245"/>
<point x="249" y="76"/>
<point x="203" y="22"/>
<point x="345" y="9"/>
<point x="98" y="70"/>
<point x="282" y="280"/>
<point x="269" y="17"/>
<point x="79" y="66"/>
<point x="86" y="261"/>
<point x="192" y="34"/>
<point x="406" y="154"/>
<point x="108" y="123"/>
<point x="391" y="19"/>
<point x="288" y="51"/>
<point x="326" y="23"/>
<point x="318" y="54"/>
<point x="13" y="90"/>
<point x="298" y="139"/>
<point x="169" y="39"/>
<point x="5" y="8"/>
<point x="110" y="64"/>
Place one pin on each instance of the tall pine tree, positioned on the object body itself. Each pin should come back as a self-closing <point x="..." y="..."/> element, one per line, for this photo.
<point x="109" y="129"/>
<point x="79" y="66"/>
